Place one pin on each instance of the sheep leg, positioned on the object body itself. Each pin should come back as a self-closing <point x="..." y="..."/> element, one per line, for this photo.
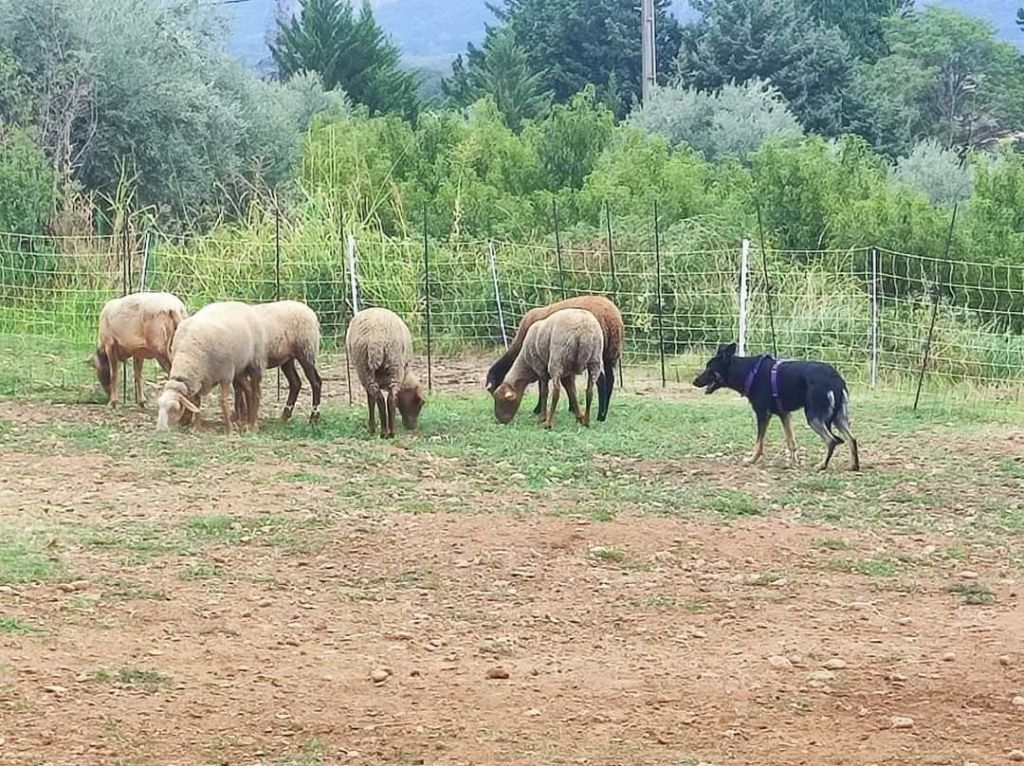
<point x="371" y="403"/>
<point x="254" y="395"/>
<point x="555" y="391"/>
<point x="569" y="381"/>
<point x="316" y="386"/>
<point x="294" y="386"/>
<point x="542" y="399"/>
<point x="140" y="399"/>
<point x="382" y="409"/>
<point x="590" y="397"/>
<point x="225" y="408"/>
<point x="115" y="366"/>
<point x="241" y="405"/>
<point x="392" y="406"/>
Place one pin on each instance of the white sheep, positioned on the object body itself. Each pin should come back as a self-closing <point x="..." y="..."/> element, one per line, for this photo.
<point x="221" y="344"/>
<point x="292" y="334"/>
<point x="380" y="347"/>
<point x="139" y="326"/>
<point x="557" y="349"/>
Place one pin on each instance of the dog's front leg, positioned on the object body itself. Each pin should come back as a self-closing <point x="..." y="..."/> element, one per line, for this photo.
<point x="762" y="429"/>
<point x="787" y="428"/>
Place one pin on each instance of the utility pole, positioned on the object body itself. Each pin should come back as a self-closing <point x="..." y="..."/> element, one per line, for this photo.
<point x="650" y="64"/>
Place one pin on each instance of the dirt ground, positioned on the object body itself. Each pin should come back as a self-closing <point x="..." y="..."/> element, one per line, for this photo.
<point x="371" y="636"/>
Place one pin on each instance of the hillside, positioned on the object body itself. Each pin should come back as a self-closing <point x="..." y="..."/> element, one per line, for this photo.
<point x="427" y="30"/>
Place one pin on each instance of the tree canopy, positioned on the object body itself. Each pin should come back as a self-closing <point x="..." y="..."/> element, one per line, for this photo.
<point x="349" y="50"/>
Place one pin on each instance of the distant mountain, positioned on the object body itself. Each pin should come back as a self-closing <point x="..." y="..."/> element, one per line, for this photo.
<point x="429" y="31"/>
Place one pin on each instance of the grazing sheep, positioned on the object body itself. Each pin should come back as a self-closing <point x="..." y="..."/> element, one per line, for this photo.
<point x="610" y="319"/>
<point x="139" y="326"/>
<point x="380" y="346"/>
<point x="556" y="349"/>
<point x="221" y="344"/>
<point x="292" y="333"/>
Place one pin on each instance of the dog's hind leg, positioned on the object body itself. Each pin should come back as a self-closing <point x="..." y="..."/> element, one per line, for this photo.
<point x="787" y="428"/>
<point x="821" y="411"/>
<point x="842" y="425"/>
<point x="762" y="429"/>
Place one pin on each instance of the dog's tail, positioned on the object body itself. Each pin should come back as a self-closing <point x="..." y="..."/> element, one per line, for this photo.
<point x="839" y="408"/>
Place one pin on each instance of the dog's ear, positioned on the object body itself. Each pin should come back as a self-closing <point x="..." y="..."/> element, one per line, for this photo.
<point x="727" y="350"/>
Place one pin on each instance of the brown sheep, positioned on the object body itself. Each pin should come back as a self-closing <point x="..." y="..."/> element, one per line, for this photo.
<point x="139" y="326"/>
<point x="610" y="319"/>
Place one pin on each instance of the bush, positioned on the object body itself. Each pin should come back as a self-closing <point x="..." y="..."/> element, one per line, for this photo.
<point x="731" y="122"/>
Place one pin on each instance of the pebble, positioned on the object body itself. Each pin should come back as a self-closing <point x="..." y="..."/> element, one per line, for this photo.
<point x="902" y="722"/>
<point x="1018" y="701"/>
<point x="379" y="675"/>
<point x="1006" y="660"/>
<point x="534" y="712"/>
<point x="821" y="676"/>
<point x="1016" y="756"/>
<point x="778" y="662"/>
<point x="834" y="664"/>
<point x="949" y="657"/>
<point x="497" y="672"/>
<point x="968" y="575"/>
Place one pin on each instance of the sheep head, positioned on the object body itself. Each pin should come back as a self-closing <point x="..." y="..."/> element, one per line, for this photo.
<point x="410" y="402"/>
<point x="172" y="405"/>
<point x="507" y="399"/>
<point x="101" y="363"/>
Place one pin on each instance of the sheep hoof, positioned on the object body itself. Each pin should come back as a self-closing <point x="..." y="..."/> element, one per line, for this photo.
<point x="314" y="418"/>
<point x="546" y="425"/>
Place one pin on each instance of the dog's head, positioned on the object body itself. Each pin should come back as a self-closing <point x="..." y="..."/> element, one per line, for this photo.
<point x="716" y="371"/>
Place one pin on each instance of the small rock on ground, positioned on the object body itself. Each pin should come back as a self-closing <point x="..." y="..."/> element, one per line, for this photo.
<point x="834" y="664"/>
<point x="902" y="722"/>
<point x="379" y="675"/>
<point x="1016" y="756"/>
<point x="778" y="662"/>
<point x="497" y="672"/>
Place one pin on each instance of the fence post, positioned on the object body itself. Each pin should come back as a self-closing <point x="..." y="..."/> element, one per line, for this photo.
<point x="350" y="249"/>
<point x="615" y="278"/>
<point x="558" y="247"/>
<point x="497" y="293"/>
<point x="144" y="269"/>
<point x="874" y="317"/>
<point x="661" y="310"/>
<point x="744" y="271"/>
<point x="277" y="271"/>
<point x="426" y="292"/>
<point x="348" y="362"/>
<point x="125" y="282"/>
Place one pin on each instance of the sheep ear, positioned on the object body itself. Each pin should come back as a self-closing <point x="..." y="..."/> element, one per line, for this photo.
<point x="187" y="404"/>
<point x="510" y="394"/>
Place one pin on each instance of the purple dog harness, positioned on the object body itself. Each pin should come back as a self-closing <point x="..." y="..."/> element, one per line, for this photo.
<point x="774" y="375"/>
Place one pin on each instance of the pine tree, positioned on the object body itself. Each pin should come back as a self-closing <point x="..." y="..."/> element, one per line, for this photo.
<point x="348" y="51"/>
<point x="503" y="72"/>
<point x="576" y="43"/>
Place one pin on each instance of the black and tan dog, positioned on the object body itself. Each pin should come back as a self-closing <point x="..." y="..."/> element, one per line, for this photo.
<point x="776" y="387"/>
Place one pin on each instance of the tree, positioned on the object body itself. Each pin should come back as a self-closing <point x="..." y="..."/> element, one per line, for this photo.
<point x="502" y="72"/>
<point x="732" y="122"/>
<point x="348" y="51"/>
<point x="575" y="43"/>
<point x="772" y="40"/>
<point x="860" y="22"/>
<point x="569" y="142"/>
<point x="961" y="81"/>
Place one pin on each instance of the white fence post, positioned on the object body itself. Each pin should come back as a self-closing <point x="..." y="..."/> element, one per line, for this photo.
<point x="497" y="293"/>
<point x="350" y="249"/>
<point x="744" y="263"/>
<point x="874" y="317"/>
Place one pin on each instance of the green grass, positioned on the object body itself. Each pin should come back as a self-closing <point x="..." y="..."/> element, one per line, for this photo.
<point x="974" y="593"/>
<point x="25" y="560"/>
<point x="608" y="555"/>
<point x="141" y="677"/>
<point x="16" y="625"/>
<point x="878" y="567"/>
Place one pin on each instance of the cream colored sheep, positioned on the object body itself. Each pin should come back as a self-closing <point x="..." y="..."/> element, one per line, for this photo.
<point x="139" y="326"/>
<point x="557" y="349"/>
<point x="221" y="344"/>
<point x="292" y="333"/>
<point x="380" y="347"/>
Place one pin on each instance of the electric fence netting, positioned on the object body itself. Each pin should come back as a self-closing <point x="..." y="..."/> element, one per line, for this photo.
<point x="866" y="310"/>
